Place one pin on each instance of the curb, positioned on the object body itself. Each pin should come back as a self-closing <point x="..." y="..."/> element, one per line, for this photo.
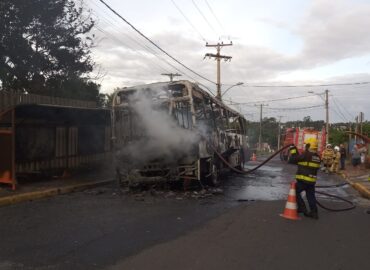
<point x="34" y="195"/>
<point x="362" y="190"/>
<point x="357" y="186"/>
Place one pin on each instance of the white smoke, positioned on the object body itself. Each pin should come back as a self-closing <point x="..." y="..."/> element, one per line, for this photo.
<point x="163" y="139"/>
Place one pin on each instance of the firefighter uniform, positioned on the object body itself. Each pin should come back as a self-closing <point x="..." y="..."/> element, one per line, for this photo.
<point x="335" y="165"/>
<point x="306" y="176"/>
<point x="327" y="157"/>
<point x="293" y="153"/>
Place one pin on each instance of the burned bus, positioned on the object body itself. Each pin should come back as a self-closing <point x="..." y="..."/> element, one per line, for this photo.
<point x="173" y="131"/>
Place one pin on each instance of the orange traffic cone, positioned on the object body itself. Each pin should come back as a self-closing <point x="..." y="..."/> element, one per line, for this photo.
<point x="254" y="158"/>
<point x="291" y="207"/>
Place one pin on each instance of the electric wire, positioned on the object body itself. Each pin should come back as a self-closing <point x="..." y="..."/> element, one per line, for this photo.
<point x="153" y="43"/>
<point x="351" y="204"/>
<point x="151" y="51"/>
<point x="337" y="108"/>
<point x="333" y="110"/>
<point x="273" y="100"/>
<point x="214" y="15"/>
<point x="113" y="36"/>
<point x="344" y="108"/>
<point x="305" y="85"/>
<point x="188" y="21"/>
<point x="204" y="17"/>
<point x="295" y="108"/>
<point x="156" y="65"/>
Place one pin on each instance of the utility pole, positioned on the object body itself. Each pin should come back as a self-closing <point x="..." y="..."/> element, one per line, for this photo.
<point x="171" y="75"/>
<point x="260" y="135"/>
<point x="218" y="58"/>
<point x="361" y="121"/>
<point x="327" y="114"/>
<point x="279" y="132"/>
<point x="349" y="137"/>
<point x="356" y="128"/>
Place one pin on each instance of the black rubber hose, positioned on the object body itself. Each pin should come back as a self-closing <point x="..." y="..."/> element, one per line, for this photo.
<point x="352" y="205"/>
<point x="332" y="186"/>
<point x="251" y="170"/>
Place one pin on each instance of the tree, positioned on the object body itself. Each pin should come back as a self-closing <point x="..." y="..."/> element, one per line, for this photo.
<point x="269" y="131"/>
<point x="337" y="136"/>
<point x="45" y="48"/>
<point x="307" y="121"/>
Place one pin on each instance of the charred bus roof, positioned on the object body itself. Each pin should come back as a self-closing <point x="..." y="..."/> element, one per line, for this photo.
<point x="171" y="90"/>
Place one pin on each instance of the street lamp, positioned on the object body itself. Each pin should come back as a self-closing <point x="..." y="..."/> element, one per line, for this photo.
<point x="237" y="84"/>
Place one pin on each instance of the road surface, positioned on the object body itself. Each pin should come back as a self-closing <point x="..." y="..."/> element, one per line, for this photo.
<point x="240" y="228"/>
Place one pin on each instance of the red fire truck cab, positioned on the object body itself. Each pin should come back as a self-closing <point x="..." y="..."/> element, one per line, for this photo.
<point x="298" y="136"/>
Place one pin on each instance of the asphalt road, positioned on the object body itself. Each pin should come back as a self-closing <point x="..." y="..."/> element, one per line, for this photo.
<point x="240" y="228"/>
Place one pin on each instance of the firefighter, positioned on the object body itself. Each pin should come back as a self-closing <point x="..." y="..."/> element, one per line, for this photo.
<point x="327" y="157"/>
<point x="308" y="165"/>
<point x="335" y="165"/>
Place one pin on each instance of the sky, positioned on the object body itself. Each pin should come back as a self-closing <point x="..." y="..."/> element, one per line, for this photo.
<point x="300" y="43"/>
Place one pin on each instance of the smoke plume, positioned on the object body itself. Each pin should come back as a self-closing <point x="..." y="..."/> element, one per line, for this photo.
<point x="162" y="139"/>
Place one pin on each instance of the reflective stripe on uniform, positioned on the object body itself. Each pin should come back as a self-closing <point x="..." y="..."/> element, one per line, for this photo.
<point x="305" y="178"/>
<point x="309" y="164"/>
<point x="293" y="151"/>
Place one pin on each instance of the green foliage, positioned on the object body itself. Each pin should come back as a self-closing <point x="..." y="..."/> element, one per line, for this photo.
<point x="269" y="131"/>
<point x="45" y="48"/>
<point x="306" y="123"/>
<point x="366" y="128"/>
<point x="337" y="136"/>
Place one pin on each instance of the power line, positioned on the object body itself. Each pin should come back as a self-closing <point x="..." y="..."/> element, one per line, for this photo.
<point x="345" y="109"/>
<point x="153" y="43"/>
<point x="143" y="46"/>
<point x="126" y="45"/>
<point x="273" y="100"/>
<point x="204" y="17"/>
<point x="148" y="49"/>
<point x="188" y="21"/>
<point x="307" y="85"/>
<point x="214" y="15"/>
<point x="338" y="111"/>
<point x="296" y="108"/>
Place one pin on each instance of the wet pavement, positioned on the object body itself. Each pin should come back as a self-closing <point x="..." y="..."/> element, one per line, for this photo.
<point x="267" y="183"/>
<point x="272" y="182"/>
<point x="97" y="228"/>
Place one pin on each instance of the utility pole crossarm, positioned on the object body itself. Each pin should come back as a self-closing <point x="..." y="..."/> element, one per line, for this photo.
<point x="218" y="58"/>
<point x="171" y="75"/>
<point x="219" y="44"/>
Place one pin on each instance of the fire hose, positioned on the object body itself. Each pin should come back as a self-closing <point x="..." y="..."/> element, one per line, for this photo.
<point x="241" y="171"/>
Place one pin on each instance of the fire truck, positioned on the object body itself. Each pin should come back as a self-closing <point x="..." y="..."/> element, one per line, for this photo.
<point x="298" y="136"/>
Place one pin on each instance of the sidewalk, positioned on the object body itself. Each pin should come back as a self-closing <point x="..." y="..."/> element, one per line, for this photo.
<point x="32" y="190"/>
<point x="358" y="178"/>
